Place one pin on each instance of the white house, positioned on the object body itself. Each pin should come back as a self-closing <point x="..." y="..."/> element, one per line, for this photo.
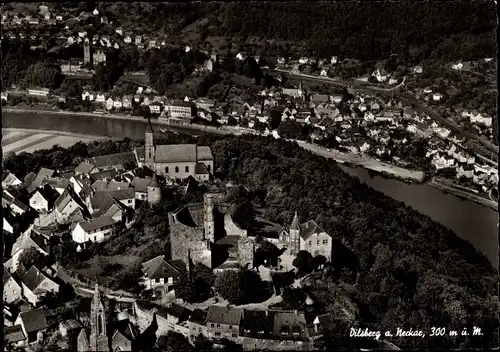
<point x="437" y="96"/>
<point x="86" y="94"/>
<point x="11" y="180"/>
<point x="333" y="60"/>
<point x="100" y="98"/>
<point x="95" y="12"/>
<point x="458" y="66"/>
<point x="119" y="31"/>
<point x="109" y="103"/>
<point x="36" y="285"/>
<point x="117" y="103"/>
<point x="94" y="230"/>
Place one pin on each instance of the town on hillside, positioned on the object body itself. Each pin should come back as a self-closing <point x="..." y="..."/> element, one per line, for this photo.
<point x="164" y="244"/>
<point x="418" y="118"/>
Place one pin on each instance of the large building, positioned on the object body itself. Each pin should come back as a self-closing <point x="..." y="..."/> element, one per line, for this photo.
<point x="177" y="161"/>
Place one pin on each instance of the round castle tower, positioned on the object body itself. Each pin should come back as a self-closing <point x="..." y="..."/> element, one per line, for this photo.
<point x="154" y="191"/>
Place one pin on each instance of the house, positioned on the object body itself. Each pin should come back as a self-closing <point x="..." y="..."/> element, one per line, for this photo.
<point x="12" y="291"/>
<point x="437" y="96"/>
<point x="95" y="12"/>
<point x="208" y="65"/>
<point x="109" y="103"/>
<point x="119" y="30"/>
<point x="180" y="110"/>
<point x="103" y="204"/>
<point x="160" y="273"/>
<point x="33" y="324"/>
<point x="5" y="96"/>
<point x="223" y="322"/>
<point x="458" y="66"/>
<point x="116" y="161"/>
<point x="28" y="239"/>
<point x="8" y="222"/>
<point x="140" y="186"/>
<point x="309" y="237"/>
<point x="156" y="107"/>
<point x="174" y="317"/>
<point x="100" y="98"/>
<point x="58" y="184"/>
<point x="36" y="285"/>
<point x="67" y="204"/>
<point x="90" y="95"/>
<point x="94" y="230"/>
<point x="13" y="337"/>
<point x="124" y="196"/>
<point x="84" y="168"/>
<point x="127" y="101"/>
<point x="204" y="103"/>
<point x="197" y="324"/>
<point x="258" y="324"/>
<point x="290" y="326"/>
<point x="39" y="92"/>
<point x="43" y="199"/>
<point x="323" y="73"/>
<point x="127" y="39"/>
<point x="11" y="181"/>
<point x="69" y="326"/>
<point x="418" y="69"/>
<point x="38" y="179"/>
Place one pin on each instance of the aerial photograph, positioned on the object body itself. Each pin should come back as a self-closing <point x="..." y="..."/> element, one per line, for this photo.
<point x="250" y="176"/>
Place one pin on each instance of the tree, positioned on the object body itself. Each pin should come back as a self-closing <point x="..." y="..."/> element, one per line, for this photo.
<point x="243" y="214"/>
<point x="275" y="118"/>
<point x="173" y="342"/>
<point x="28" y="257"/>
<point x="317" y="261"/>
<point x="196" y="286"/>
<point x="302" y="262"/>
<point x="241" y="287"/>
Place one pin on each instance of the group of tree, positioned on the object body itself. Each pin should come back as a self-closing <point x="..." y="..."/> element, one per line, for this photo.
<point x="242" y="287"/>
<point x="385" y="249"/>
<point x="196" y="285"/>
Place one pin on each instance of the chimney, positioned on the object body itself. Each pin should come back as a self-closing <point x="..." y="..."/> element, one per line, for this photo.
<point x="295" y="311"/>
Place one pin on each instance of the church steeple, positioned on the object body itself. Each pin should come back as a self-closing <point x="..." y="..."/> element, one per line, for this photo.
<point x="295" y="235"/>
<point x="295" y="223"/>
<point x="98" y="339"/>
<point x="149" y="147"/>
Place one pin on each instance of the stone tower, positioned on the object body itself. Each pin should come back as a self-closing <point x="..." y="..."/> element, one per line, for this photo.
<point x="295" y="235"/>
<point x="87" y="55"/>
<point x="98" y="339"/>
<point x="210" y="200"/>
<point x="149" y="148"/>
<point x="154" y="191"/>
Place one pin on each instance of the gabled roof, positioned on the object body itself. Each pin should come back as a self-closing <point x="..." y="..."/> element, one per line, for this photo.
<point x="13" y="334"/>
<point x="11" y="179"/>
<point x="175" y="153"/>
<point x="158" y="267"/>
<point x="102" y="201"/>
<point x="198" y="316"/>
<point x="295" y="223"/>
<point x="127" y="329"/>
<point x="140" y="184"/>
<point x="65" y="198"/>
<point x="290" y="322"/>
<point x="30" y="239"/>
<point x="122" y="194"/>
<point x="176" y="310"/>
<point x="201" y="169"/>
<point x="224" y="315"/>
<point x="48" y="193"/>
<point x="115" y="185"/>
<point x="310" y="228"/>
<point x="112" y="159"/>
<point x="37" y="181"/>
<point x="97" y="223"/>
<point x="84" y="168"/>
<point x="33" y="320"/>
<point x="56" y="182"/>
<point x="33" y="278"/>
<point x="258" y="320"/>
<point x="108" y="174"/>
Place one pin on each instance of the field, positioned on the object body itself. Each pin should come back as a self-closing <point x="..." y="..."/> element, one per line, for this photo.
<point x="20" y="140"/>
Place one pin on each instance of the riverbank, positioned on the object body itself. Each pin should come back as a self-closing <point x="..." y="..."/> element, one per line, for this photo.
<point x="365" y="162"/>
<point x="445" y="187"/>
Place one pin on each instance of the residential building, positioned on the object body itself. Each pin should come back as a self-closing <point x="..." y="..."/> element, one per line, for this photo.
<point x="180" y="110"/>
<point x="94" y="230"/>
<point x="43" y="199"/>
<point x="33" y="323"/>
<point x="155" y="107"/>
<point x="197" y="324"/>
<point x="67" y="204"/>
<point x="124" y="196"/>
<point x="28" y="239"/>
<point x="39" y="92"/>
<point x="127" y="101"/>
<point x="290" y="326"/>
<point x="13" y="337"/>
<point x="36" y="285"/>
<point x="38" y="179"/>
<point x="115" y="161"/>
<point x="12" y="291"/>
<point x="160" y="273"/>
<point x="140" y="186"/>
<point x="223" y="322"/>
<point x="11" y="181"/>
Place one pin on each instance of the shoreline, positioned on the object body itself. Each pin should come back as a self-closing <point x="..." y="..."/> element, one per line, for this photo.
<point x="435" y="183"/>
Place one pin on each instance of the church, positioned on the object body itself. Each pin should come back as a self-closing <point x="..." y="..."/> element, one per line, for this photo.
<point x="176" y="161"/>
<point x="120" y="335"/>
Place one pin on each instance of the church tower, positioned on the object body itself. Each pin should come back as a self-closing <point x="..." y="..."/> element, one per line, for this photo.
<point x="149" y="148"/>
<point x="98" y="340"/>
<point x="295" y="235"/>
<point x="87" y="55"/>
<point x="154" y="191"/>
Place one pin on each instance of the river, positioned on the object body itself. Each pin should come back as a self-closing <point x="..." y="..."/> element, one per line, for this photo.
<point x="470" y="221"/>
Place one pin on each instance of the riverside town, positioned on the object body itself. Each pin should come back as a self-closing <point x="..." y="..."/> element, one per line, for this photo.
<point x="249" y="176"/>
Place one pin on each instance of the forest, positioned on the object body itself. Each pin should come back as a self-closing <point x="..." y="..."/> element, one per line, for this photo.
<point x="414" y="31"/>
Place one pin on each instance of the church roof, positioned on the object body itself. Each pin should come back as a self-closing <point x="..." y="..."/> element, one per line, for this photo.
<point x="295" y="223"/>
<point x="201" y="169"/>
<point x="175" y="153"/>
<point x="154" y="182"/>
